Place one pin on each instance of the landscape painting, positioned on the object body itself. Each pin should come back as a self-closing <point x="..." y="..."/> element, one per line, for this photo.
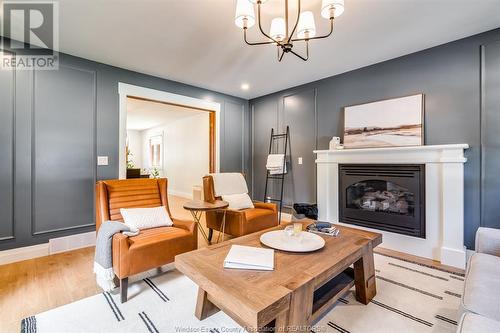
<point x="394" y="122"/>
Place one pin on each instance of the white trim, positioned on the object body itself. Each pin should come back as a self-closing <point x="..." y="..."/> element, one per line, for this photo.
<point x="452" y="153"/>
<point x="184" y="195"/>
<point x="125" y="90"/>
<point x="72" y="242"/>
<point x="285" y="217"/>
<point x="461" y="146"/>
<point x="55" y="245"/>
<point x="469" y="254"/>
<point x="24" y="253"/>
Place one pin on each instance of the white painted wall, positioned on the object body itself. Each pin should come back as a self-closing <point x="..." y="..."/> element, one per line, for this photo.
<point x="135" y="145"/>
<point x="186" y="152"/>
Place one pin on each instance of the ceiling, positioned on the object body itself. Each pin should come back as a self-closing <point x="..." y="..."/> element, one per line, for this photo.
<point x="196" y="41"/>
<point x="142" y="115"/>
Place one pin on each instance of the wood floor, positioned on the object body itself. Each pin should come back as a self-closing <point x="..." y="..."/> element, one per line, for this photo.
<point x="37" y="285"/>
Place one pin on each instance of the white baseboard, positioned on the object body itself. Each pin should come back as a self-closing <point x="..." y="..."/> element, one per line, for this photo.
<point x="72" y="242"/>
<point x="469" y="253"/>
<point x="53" y="246"/>
<point x="181" y="194"/>
<point x="24" y="253"/>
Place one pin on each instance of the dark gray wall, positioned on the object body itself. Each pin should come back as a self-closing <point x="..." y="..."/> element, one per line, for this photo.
<point x="450" y="77"/>
<point x="490" y="134"/>
<point x="7" y="119"/>
<point x="53" y="124"/>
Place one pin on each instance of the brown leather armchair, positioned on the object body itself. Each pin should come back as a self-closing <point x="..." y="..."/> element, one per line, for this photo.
<point x="152" y="247"/>
<point x="239" y="222"/>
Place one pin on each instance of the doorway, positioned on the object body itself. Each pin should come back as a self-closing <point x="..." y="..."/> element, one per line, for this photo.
<point x="168" y="135"/>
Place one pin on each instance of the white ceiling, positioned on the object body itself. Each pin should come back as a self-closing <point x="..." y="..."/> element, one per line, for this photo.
<point x="143" y="115"/>
<point x="196" y="41"/>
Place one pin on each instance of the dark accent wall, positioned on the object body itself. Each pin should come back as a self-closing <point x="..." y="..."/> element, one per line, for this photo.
<point x="490" y="134"/>
<point x="53" y="125"/>
<point x="458" y="79"/>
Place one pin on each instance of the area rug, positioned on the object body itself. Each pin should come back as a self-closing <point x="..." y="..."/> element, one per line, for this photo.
<point x="410" y="298"/>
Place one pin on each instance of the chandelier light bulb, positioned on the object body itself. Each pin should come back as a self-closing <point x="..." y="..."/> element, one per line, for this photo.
<point x="278" y="30"/>
<point x="245" y="15"/>
<point x="306" y="27"/>
<point x="329" y="7"/>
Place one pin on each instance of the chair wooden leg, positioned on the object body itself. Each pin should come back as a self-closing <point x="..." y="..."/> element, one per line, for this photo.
<point x="210" y="234"/>
<point x="123" y="289"/>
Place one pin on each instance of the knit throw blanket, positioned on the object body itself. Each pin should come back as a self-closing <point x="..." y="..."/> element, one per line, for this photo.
<point x="103" y="260"/>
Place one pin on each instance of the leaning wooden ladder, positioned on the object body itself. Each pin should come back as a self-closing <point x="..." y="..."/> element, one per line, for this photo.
<point x="279" y="177"/>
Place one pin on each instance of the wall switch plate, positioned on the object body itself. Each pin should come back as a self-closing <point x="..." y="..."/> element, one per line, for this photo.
<point x="102" y="160"/>
<point x="300" y="160"/>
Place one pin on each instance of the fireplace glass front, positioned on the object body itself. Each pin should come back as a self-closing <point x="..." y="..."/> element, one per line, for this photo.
<point x="386" y="197"/>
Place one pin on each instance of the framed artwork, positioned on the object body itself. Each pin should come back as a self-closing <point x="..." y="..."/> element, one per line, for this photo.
<point x="394" y="122"/>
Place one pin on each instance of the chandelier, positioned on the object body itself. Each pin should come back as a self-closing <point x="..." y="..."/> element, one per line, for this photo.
<point x="303" y="30"/>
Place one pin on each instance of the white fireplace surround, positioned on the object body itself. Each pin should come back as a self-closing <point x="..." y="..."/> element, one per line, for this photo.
<point x="444" y="196"/>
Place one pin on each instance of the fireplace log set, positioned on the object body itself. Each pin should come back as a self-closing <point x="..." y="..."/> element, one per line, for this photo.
<point x="392" y="199"/>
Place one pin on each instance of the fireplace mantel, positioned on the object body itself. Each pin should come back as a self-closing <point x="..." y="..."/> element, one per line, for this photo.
<point x="415" y="154"/>
<point x="444" y="195"/>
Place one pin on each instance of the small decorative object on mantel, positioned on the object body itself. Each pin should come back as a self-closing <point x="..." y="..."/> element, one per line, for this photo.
<point x="393" y="122"/>
<point x="334" y="143"/>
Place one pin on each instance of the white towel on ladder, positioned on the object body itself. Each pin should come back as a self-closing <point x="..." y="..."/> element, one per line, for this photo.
<point x="276" y="164"/>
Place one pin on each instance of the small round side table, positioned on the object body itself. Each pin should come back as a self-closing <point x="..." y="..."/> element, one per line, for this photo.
<point x="197" y="207"/>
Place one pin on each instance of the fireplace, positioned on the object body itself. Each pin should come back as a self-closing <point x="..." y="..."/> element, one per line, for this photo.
<point x="388" y="197"/>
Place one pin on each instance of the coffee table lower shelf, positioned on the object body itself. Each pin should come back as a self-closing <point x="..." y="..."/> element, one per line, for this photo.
<point x="329" y="293"/>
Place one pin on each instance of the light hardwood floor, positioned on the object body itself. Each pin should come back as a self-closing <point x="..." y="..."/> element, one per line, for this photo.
<point x="36" y="285"/>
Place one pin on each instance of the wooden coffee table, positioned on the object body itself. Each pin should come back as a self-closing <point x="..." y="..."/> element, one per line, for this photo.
<point x="300" y="289"/>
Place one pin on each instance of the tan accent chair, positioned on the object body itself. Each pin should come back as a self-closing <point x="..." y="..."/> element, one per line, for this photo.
<point x="152" y="247"/>
<point x="239" y="222"/>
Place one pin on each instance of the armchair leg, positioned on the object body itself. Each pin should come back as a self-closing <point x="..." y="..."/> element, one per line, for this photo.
<point x="123" y="289"/>
<point x="210" y="234"/>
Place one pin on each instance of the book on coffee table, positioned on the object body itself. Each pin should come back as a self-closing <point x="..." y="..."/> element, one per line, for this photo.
<point x="247" y="257"/>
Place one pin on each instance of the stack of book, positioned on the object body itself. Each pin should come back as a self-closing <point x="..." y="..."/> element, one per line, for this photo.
<point x="247" y="257"/>
<point x="324" y="228"/>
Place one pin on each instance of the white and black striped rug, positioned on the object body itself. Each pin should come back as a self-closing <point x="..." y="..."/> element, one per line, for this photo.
<point x="410" y="298"/>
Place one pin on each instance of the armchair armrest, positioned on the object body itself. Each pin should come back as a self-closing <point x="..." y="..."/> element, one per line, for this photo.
<point x="191" y="228"/>
<point x="120" y="248"/>
<point x="265" y="205"/>
<point x="184" y="224"/>
<point x="488" y="241"/>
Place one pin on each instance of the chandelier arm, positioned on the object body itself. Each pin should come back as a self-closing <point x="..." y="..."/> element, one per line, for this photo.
<point x="281" y="57"/>
<point x="253" y="43"/>
<point x="262" y="30"/>
<point x="296" y="23"/>
<point x="317" y="37"/>
<point x="298" y="55"/>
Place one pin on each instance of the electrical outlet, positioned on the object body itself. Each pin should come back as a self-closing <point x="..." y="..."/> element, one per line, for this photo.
<point x="300" y="161"/>
<point x="102" y="160"/>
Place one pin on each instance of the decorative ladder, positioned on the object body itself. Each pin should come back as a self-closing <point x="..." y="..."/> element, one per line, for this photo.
<point x="280" y="177"/>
